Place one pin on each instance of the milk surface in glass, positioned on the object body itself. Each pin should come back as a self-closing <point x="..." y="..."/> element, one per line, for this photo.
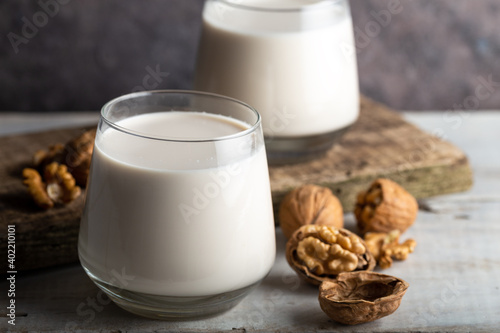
<point x="177" y="226"/>
<point x="296" y="67"/>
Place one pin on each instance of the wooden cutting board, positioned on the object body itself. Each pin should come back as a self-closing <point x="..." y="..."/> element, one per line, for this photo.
<point x="380" y="144"/>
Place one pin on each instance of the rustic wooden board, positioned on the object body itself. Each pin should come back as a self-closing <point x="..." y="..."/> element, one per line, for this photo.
<point x="381" y="143"/>
<point x="43" y="238"/>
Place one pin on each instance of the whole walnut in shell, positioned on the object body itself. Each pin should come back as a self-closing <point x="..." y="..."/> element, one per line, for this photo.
<point x="385" y="207"/>
<point x="310" y="204"/>
<point x="319" y="253"/>
<point x="360" y="297"/>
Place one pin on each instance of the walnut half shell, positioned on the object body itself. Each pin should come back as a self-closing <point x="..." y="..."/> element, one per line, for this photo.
<point x="319" y="253"/>
<point x="360" y="297"/>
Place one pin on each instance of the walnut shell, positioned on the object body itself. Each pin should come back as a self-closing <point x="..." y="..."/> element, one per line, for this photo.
<point x="360" y="297"/>
<point x="384" y="207"/>
<point x="309" y="204"/>
<point x="345" y="252"/>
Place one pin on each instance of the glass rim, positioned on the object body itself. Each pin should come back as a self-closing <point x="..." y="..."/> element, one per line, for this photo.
<point x="253" y="127"/>
<point x="299" y="8"/>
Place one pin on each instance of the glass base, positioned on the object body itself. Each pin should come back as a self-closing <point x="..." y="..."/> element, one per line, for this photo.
<point x="172" y="307"/>
<point x="289" y="150"/>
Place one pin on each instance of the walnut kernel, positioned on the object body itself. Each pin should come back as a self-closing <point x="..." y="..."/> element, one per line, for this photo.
<point x="319" y="253"/>
<point x="37" y="188"/>
<point x="78" y="154"/>
<point x="42" y="158"/>
<point x="385" y="247"/>
<point x="61" y="186"/>
<point x="309" y="204"/>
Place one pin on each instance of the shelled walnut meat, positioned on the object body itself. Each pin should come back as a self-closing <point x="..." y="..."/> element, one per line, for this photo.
<point x="385" y="247"/>
<point x="59" y="170"/>
<point x="319" y="253"/>
<point x="76" y="154"/>
<point x="309" y="204"/>
<point x="360" y="297"/>
<point x="59" y="186"/>
<point x="37" y="188"/>
<point x="384" y="207"/>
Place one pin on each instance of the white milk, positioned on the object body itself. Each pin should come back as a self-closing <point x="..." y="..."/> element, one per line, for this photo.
<point x="193" y="227"/>
<point x="297" y="69"/>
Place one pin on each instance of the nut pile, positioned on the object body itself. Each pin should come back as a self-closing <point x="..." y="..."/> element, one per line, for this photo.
<point x="59" y="171"/>
<point x="323" y="253"/>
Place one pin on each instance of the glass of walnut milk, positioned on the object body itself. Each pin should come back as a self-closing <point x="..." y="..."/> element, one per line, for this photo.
<point x="293" y="60"/>
<point x="178" y="220"/>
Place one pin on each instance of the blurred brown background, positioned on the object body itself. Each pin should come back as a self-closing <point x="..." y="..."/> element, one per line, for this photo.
<point x="76" y="54"/>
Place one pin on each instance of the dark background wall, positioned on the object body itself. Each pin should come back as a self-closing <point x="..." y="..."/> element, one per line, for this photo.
<point x="77" y="54"/>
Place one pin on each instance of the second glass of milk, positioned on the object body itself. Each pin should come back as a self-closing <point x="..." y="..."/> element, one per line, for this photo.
<point x="293" y="60"/>
<point x="178" y="220"/>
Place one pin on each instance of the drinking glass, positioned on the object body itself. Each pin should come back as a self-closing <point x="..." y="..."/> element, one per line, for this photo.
<point x="294" y="61"/>
<point x="178" y="220"/>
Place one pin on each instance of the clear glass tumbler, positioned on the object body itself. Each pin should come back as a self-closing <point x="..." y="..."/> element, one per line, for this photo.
<point x="294" y="61"/>
<point x="178" y="221"/>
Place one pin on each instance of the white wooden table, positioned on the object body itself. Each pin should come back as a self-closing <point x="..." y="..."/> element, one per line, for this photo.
<point x="454" y="274"/>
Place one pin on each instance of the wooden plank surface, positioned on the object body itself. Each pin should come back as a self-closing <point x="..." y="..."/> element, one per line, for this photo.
<point x="44" y="238"/>
<point x="452" y="273"/>
<point x="381" y="143"/>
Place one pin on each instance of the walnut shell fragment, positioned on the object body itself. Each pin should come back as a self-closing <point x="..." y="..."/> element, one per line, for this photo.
<point x="384" y="207"/>
<point x="310" y="204"/>
<point x="360" y="297"/>
<point x="319" y="253"/>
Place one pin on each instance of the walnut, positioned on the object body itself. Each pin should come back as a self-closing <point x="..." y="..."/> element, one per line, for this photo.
<point x="78" y="154"/>
<point x="37" y="188"/>
<point x="309" y="204"/>
<point x="384" y="207"/>
<point x="319" y="253"/>
<point x="385" y="247"/>
<point x="360" y="297"/>
<point x="44" y="157"/>
<point x="61" y="186"/>
<point x="81" y="172"/>
<point x="63" y="167"/>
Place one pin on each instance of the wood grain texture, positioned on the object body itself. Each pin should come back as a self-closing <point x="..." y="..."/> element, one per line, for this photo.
<point x="381" y="143"/>
<point x="43" y="238"/>
<point x="453" y="273"/>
